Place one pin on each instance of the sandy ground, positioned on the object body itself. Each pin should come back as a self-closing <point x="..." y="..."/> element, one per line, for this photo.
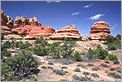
<point x="48" y="75"/>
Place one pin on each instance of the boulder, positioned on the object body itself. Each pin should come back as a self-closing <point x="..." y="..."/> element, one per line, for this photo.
<point x="69" y="31"/>
<point x="99" y="31"/>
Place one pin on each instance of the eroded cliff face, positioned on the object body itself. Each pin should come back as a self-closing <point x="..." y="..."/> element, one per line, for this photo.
<point x="33" y="29"/>
<point x="24" y="25"/>
<point x="69" y="31"/>
<point x="99" y="31"/>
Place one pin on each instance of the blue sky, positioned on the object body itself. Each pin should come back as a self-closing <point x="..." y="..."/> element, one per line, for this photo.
<point x="58" y="14"/>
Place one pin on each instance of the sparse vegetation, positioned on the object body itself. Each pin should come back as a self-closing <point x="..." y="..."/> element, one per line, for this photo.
<point x="114" y="74"/>
<point x="77" y="78"/>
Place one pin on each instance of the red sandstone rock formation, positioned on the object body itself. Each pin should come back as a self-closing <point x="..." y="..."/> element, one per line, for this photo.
<point x="99" y="31"/>
<point x="6" y="24"/>
<point x="66" y="32"/>
<point x="21" y="21"/>
<point x="41" y="31"/>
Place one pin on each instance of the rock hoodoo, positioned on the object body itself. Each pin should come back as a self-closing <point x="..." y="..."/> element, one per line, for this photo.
<point x="6" y="24"/>
<point x="22" y="24"/>
<point x="69" y="31"/>
<point x="99" y="31"/>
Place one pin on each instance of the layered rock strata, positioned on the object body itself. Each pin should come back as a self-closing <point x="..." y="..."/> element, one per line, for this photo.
<point x="99" y="31"/>
<point x="69" y="31"/>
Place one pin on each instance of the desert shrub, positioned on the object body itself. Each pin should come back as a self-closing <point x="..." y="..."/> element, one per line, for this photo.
<point x="91" y="54"/>
<point x="99" y="53"/>
<point x="64" y="67"/>
<point x="41" y="41"/>
<point x="22" y="45"/>
<point x="95" y="75"/>
<point x="86" y="73"/>
<point x="40" y="51"/>
<point x="77" y="78"/>
<point x="112" y="47"/>
<point x="34" y="77"/>
<point x="77" y="56"/>
<point x="5" y="54"/>
<point x="114" y="74"/>
<point x="7" y="44"/>
<point x="19" y="66"/>
<point x="95" y="68"/>
<point x="77" y="70"/>
<point x="59" y="72"/>
<point x="104" y="65"/>
<point x="90" y="64"/>
<point x="49" y="67"/>
<point x="112" y="57"/>
<point x="61" y="49"/>
<point x="54" y="49"/>
<point x="116" y="62"/>
<point x="79" y="65"/>
<point x="113" y="43"/>
<point x="119" y="71"/>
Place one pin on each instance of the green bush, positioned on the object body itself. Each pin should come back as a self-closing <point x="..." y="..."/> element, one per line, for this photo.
<point x="5" y="53"/>
<point x="59" y="72"/>
<point x="113" y="42"/>
<point x="98" y="53"/>
<point x="41" y="41"/>
<point x="61" y="49"/>
<point x="22" y="45"/>
<point x="112" y="57"/>
<point x="40" y="51"/>
<point x="19" y="66"/>
<point x="7" y="44"/>
<point x="91" y="54"/>
<point x="77" y="56"/>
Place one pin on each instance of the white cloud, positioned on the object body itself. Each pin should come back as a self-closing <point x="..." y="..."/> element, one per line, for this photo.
<point x="87" y="6"/>
<point x="76" y="13"/>
<point x="114" y="26"/>
<point x="53" y="1"/>
<point x="96" y="17"/>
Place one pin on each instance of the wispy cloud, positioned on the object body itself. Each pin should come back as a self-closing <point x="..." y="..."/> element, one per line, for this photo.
<point x="87" y="6"/>
<point x="96" y="17"/>
<point x="53" y="1"/>
<point x="76" y="13"/>
<point x="114" y="26"/>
